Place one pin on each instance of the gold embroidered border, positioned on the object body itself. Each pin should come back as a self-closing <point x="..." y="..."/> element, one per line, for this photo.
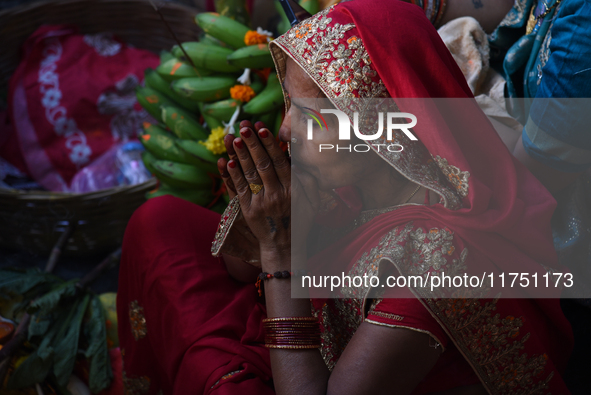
<point x="409" y="328"/>
<point x="227" y="376"/>
<point x="227" y="220"/>
<point x="456" y="177"/>
<point x="136" y="385"/>
<point x="388" y="316"/>
<point x="492" y="344"/>
<point x="137" y="320"/>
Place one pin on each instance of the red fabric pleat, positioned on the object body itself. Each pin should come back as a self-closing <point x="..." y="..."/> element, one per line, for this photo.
<point x="201" y="324"/>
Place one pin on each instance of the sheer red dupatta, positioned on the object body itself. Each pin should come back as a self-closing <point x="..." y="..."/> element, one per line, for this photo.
<point x="492" y="207"/>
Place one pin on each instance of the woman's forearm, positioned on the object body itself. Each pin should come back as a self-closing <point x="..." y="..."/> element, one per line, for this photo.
<point x="294" y="371"/>
<point x="240" y="270"/>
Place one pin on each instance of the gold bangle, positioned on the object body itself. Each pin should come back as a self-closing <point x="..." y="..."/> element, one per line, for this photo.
<point x="292" y="341"/>
<point x="309" y="347"/>
<point x="282" y="319"/>
<point x="297" y="327"/>
<point x="287" y="333"/>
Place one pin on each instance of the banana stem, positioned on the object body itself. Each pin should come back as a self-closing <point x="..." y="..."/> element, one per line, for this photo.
<point x="106" y="264"/>
<point x="57" y="249"/>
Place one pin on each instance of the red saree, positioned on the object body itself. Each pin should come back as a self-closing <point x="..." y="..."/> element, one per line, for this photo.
<point x="187" y="327"/>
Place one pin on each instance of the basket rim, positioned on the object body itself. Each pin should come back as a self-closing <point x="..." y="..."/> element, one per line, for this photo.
<point x="37" y="4"/>
<point x="40" y="195"/>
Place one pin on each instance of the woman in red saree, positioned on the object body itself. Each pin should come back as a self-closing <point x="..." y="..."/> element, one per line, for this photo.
<point x="455" y="200"/>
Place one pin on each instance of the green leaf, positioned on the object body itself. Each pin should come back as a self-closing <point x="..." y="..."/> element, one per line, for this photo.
<point x="18" y="281"/>
<point x="39" y="325"/>
<point x="66" y="345"/>
<point x="33" y="370"/>
<point x="50" y="300"/>
<point x="101" y="373"/>
<point x="36" y="368"/>
<point x="61" y="318"/>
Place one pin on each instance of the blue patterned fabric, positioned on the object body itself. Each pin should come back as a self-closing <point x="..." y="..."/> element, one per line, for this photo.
<point x="552" y="61"/>
<point x="549" y="64"/>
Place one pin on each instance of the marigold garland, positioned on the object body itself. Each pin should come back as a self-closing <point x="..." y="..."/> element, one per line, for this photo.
<point x="252" y="38"/>
<point x="215" y="141"/>
<point x="242" y="92"/>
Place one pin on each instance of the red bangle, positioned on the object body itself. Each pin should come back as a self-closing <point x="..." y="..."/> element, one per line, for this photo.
<point x="292" y="332"/>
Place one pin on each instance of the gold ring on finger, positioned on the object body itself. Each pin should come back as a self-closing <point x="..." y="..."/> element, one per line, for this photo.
<point x="255" y="188"/>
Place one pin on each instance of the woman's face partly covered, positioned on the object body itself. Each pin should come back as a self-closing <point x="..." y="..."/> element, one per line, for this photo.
<point x="331" y="167"/>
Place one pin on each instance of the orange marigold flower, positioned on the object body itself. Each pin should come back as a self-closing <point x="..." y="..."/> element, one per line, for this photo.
<point x="242" y="92"/>
<point x="252" y="37"/>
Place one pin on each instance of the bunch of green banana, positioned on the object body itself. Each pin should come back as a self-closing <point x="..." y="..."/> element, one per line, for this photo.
<point x="205" y="89"/>
<point x="207" y="56"/>
<point x="154" y="80"/>
<point x="175" y="69"/>
<point x="199" y="90"/>
<point x="270" y="99"/>
<point x="182" y="164"/>
<point x="254" y="56"/>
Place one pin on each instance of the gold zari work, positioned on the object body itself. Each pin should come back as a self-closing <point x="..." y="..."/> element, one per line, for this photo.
<point x="389" y="316"/>
<point x="341" y="68"/>
<point x="416" y="249"/>
<point x="137" y="320"/>
<point x="136" y="386"/>
<point x="456" y="177"/>
<point x="494" y="345"/>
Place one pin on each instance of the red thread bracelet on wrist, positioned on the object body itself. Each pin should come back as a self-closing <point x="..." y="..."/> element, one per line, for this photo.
<point x="279" y="275"/>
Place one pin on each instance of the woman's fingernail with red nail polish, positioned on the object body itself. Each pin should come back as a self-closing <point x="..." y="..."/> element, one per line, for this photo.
<point x="245" y="133"/>
<point x="238" y="143"/>
<point x="232" y="164"/>
<point x="263" y="134"/>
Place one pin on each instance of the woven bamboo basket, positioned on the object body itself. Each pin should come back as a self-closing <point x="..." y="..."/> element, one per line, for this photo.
<point x="35" y="220"/>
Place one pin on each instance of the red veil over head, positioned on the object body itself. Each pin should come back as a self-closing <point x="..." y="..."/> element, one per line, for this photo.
<point x="494" y="216"/>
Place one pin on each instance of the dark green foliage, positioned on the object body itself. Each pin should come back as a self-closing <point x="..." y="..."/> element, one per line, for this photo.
<point x="97" y="353"/>
<point x="33" y="370"/>
<point x="65" y="319"/>
<point x="50" y="300"/>
<point x="66" y="346"/>
<point x="19" y="282"/>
